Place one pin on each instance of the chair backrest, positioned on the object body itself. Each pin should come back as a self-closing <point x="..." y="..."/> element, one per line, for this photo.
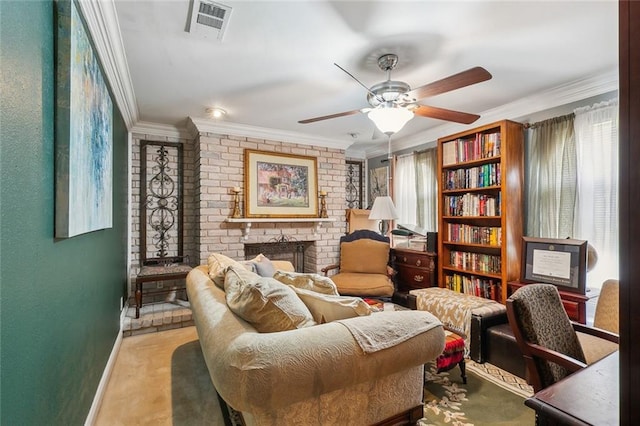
<point x="537" y="316"/>
<point x="364" y="233"/>
<point x="359" y="219"/>
<point x="606" y="316"/>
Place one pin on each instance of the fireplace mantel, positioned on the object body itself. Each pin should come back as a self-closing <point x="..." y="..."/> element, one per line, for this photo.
<point x="246" y="222"/>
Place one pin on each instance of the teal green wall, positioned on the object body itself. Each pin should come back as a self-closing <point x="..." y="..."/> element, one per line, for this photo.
<point x="59" y="299"/>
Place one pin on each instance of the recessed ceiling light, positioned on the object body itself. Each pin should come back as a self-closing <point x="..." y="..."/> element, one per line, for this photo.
<point x="216" y="112"/>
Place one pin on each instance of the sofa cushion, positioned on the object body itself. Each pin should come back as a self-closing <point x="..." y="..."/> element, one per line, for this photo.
<point x="314" y="282"/>
<point x="364" y="256"/>
<point x="218" y="264"/>
<point x="363" y="284"/>
<point x="264" y="302"/>
<point x="329" y="307"/>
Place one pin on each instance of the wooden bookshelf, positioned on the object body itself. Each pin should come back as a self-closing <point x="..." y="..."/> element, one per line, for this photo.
<point x="480" y="209"/>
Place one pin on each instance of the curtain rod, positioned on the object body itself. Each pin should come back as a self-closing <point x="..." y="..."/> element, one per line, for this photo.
<point x="538" y="123"/>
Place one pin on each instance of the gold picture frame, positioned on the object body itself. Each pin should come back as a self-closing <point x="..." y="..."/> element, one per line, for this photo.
<point x="280" y="185"/>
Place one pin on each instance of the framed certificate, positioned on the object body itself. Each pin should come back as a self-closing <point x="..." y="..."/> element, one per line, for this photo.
<point x="562" y="262"/>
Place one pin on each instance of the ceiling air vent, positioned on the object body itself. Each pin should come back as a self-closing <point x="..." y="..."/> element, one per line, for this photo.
<point x="208" y="19"/>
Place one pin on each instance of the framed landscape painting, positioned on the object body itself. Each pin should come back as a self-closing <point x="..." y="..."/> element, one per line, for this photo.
<point x="83" y="138"/>
<point x="280" y="185"/>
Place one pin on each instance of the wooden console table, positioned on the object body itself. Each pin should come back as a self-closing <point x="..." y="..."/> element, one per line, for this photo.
<point x="174" y="271"/>
<point x="587" y="397"/>
<point x="574" y="303"/>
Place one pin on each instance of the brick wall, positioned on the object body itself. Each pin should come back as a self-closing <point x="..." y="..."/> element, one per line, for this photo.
<point x="213" y="164"/>
<point x="220" y="166"/>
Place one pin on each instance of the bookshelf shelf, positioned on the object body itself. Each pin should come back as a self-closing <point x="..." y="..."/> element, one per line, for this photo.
<point x="480" y="210"/>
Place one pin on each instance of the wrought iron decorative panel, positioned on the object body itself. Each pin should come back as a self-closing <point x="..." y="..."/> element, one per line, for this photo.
<point x="161" y="202"/>
<point x="354" y="185"/>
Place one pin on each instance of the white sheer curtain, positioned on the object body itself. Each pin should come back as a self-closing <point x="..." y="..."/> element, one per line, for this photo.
<point x="404" y="189"/>
<point x="596" y="131"/>
<point x="427" y="189"/>
<point x="551" y="179"/>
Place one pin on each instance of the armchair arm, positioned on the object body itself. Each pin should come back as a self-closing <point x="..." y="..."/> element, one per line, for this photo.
<point x="563" y="360"/>
<point x="597" y="332"/>
<point x="326" y="269"/>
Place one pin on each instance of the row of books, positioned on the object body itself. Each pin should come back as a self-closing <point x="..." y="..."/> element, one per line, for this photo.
<point x="461" y="233"/>
<point x="477" y="262"/>
<point x="472" y="205"/>
<point x="481" y="287"/>
<point x="475" y="177"/>
<point x="484" y="145"/>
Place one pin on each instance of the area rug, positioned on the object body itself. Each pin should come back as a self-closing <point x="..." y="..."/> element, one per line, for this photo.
<point x="480" y="402"/>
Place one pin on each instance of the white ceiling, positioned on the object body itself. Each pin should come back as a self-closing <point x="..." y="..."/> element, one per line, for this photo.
<point x="274" y="65"/>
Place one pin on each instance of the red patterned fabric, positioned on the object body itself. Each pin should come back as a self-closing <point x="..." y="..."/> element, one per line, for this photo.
<point x="453" y="352"/>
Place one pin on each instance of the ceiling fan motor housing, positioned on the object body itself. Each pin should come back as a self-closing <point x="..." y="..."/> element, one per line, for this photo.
<point x="387" y="91"/>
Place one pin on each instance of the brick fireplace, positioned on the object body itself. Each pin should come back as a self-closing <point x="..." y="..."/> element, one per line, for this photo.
<point x="213" y="165"/>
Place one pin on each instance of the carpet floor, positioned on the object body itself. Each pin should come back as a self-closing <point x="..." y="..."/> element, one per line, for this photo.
<point x="486" y="399"/>
<point x="161" y="379"/>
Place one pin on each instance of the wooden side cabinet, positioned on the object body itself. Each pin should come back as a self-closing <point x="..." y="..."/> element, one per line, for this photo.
<point x="414" y="269"/>
<point x="574" y="303"/>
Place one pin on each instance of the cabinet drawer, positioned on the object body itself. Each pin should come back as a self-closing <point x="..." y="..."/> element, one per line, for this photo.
<point x="410" y="276"/>
<point x="573" y="310"/>
<point x="418" y="260"/>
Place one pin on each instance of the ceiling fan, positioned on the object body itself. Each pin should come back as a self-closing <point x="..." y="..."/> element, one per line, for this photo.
<point x="394" y="103"/>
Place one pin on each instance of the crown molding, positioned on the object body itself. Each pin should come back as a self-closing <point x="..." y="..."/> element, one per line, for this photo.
<point x="563" y="94"/>
<point x="102" y="23"/>
<point x="164" y="130"/>
<point x="224" y="128"/>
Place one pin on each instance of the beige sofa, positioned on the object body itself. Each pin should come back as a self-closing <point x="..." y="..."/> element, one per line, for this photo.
<point x="318" y="375"/>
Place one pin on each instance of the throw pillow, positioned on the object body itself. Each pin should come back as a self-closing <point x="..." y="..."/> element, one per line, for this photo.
<point x="314" y="282"/>
<point x="218" y="264"/>
<point x="329" y="307"/>
<point x="263" y="266"/>
<point x="265" y="303"/>
<point x="283" y="265"/>
<point x="364" y="256"/>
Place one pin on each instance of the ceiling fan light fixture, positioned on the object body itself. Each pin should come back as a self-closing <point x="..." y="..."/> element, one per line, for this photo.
<point x="390" y="120"/>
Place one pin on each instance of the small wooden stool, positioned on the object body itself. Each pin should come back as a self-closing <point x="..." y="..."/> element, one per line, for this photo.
<point x="452" y="355"/>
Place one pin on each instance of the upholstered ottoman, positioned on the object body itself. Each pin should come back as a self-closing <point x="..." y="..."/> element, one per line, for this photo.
<point x="452" y="355"/>
<point x="466" y="315"/>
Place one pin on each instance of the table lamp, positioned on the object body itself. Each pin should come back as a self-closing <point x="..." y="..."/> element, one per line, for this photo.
<point x="384" y="210"/>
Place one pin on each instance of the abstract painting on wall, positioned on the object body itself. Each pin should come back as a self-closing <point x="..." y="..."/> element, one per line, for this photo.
<point x="84" y="128"/>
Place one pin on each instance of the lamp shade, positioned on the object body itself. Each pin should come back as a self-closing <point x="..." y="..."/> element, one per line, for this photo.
<point x="384" y="209"/>
<point x="390" y="119"/>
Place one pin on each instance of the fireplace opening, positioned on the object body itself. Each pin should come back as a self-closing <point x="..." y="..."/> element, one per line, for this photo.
<point x="299" y="253"/>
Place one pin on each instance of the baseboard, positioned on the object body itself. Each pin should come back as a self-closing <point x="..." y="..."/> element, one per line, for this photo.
<point x="106" y="374"/>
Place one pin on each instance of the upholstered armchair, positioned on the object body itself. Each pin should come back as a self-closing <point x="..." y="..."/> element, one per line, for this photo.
<point x="546" y="336"/>
<point x="364" y="265"/>
<point x="606" y="317"/>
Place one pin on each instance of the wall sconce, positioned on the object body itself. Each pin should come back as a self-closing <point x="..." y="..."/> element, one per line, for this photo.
<point x="384" y="210"/>
<point x="236" y="202"/>
<point x="323" y="204"/>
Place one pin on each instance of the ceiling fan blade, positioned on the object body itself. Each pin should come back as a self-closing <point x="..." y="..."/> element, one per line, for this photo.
<point x="359" y="82"/>
<point x="445" y="114"/>
<point x="327" y="117"/>
<point x="453" y="82"/>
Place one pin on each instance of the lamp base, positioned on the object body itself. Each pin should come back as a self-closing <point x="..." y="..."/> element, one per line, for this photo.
<point x="383" y="226"/>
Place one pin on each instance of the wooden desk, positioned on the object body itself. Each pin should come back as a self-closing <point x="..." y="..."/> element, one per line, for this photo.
<point x="587" y="397"/>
